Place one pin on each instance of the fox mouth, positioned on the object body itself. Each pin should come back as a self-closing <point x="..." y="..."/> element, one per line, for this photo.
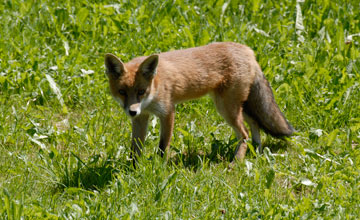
<point x="132" y="113"/>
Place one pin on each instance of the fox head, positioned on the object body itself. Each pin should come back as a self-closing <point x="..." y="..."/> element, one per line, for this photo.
<point x="131" y="83"/>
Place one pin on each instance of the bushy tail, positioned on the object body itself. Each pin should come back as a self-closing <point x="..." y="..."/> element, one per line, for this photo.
<point x="261" y="106"/>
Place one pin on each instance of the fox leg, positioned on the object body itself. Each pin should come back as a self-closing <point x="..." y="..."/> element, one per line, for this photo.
<point x="237" y="124"/>
<point x="139" y="127"/>
<point x="232" y="113"/>
<point x="166" y="126"/>
<point x="255" y="131"/>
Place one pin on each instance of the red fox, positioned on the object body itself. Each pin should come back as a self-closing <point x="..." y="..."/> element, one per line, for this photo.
<point x="227" y="71"/>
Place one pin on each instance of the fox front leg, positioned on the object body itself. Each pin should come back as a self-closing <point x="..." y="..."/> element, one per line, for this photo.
<point x="139" y="128"/>
<point x="167" y="126"/>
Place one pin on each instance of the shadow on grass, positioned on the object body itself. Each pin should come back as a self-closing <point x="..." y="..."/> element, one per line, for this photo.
<point x="221" y="151"/>
<point x="93" y="174"/>
<point x="193" y="158"/>
<point x="97" y="172"/>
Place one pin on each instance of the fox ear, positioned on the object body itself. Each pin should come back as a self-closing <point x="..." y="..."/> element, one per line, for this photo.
<point x="148" y="66"/>
<point x="114" y="67"/>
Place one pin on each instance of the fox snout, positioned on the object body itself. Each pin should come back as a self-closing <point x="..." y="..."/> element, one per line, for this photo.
<point x="134" y="110"/>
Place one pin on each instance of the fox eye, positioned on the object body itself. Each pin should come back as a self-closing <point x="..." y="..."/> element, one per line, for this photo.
<point x="141" y="92"/>
<point x="122" y="92"/>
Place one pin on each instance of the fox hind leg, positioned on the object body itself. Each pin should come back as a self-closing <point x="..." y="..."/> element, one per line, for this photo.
<point x="232" y="112"/>
<point x="238" y="125"/>
<point x="255" y="131"/>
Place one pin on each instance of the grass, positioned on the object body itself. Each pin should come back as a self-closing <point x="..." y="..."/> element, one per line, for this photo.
<point x="64" y="143"/>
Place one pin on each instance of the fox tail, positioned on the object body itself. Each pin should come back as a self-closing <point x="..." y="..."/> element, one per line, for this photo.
<point x="261" y="106"/>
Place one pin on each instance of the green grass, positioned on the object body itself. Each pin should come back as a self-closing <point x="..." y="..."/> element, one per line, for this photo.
<point x="64" y="143"/>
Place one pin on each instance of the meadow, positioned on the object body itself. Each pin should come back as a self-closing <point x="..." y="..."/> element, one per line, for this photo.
<point x="65" y="143"/>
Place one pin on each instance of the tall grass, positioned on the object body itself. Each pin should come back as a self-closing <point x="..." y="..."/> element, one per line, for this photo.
<point x="64" y="143"/>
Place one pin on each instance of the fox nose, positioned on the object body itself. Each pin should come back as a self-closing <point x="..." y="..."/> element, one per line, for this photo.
<point x="132" y="113"/>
